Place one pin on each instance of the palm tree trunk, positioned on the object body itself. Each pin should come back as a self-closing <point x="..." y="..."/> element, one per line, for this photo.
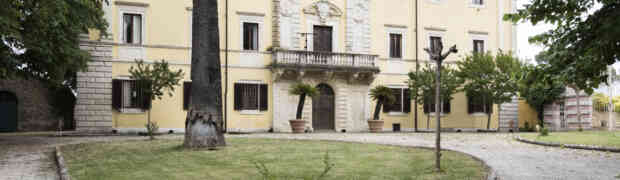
<point x="203" y="126"/>
<point x="300" y="106"/>
<point x="377" y="110"/>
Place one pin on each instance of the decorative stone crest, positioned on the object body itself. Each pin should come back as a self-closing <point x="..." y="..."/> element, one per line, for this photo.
<point x="287" y="10"/>
<point x="324" y="10"/>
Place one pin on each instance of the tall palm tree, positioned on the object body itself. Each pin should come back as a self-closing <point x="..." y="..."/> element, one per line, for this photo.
<point x="203" y="126"/>
<point x="383" y="95"/>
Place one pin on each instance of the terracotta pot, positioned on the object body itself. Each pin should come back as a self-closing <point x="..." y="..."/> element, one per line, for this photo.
<point x="298" y="126"/>
<point x="375" y="126"/>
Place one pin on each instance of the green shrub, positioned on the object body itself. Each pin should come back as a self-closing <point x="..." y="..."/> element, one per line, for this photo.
<point x="527" y="127"/>
<point x="544" y="131"/>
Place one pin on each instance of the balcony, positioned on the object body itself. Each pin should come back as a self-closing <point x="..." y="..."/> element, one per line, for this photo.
<point x="298" y="65"/>
<point x="337" y="62"/>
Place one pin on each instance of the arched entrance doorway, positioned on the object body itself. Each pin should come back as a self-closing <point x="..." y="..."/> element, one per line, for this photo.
<point x="8" y="112"/>
<point x="323" y="108"/>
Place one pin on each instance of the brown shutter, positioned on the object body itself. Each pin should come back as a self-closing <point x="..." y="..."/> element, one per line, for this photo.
<point x="238" y="96"/>
<point x="427" y="104"/>
<point x="144" y="94"/>
<point x="187" y="89"/>
<point x="117" y="94"/>
<point x="470" y="104"/>
<point x="264" y="97"/>
<point x="446" y="106"/>
<point x="407" y="105"/>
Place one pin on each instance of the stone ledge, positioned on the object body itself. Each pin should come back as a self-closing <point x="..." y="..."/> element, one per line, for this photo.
<point x="571" y="146"/>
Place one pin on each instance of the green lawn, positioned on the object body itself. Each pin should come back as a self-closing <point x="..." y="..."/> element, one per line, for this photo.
<point x="598" y="138"/>
<point x="288" y="159"/>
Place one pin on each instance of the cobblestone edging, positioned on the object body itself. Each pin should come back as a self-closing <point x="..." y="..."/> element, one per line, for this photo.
<point x="63" y="172"/>
<point x="572" y="146"/>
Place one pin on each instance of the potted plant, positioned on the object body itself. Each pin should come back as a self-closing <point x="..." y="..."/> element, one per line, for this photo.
<point x="383" y="95"/>
<point x="298" y="125"/>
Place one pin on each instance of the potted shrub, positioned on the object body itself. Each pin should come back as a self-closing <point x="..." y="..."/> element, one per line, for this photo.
<point x="383" y="95"/>
<point x="298" y="124"/>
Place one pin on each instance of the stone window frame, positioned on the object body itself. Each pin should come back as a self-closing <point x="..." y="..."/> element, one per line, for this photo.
<point x="473" y="4"/>
<point x="130" y="9"/>
<point x="480" y="36"/>
<point x="434" y="33"/>
<point x="396" y="29"/>
<point x="248" y="17"/>
<point x="334" y="23"/>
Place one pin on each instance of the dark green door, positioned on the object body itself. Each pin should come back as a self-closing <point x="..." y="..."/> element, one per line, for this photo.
<point x="8" y="112"/>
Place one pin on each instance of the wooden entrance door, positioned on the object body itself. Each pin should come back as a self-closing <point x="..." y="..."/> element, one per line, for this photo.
<point x="323" y="108"/>
<point x="322" y="38"/>
<point x="8" y="112"/>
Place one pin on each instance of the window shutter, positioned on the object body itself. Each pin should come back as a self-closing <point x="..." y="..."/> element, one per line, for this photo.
<point x="490" y="107"/>
<point x="407" y="99"/>
<point x="470" y="108"/>
<point x="238" y="96"/>
<point x="187" y="89"/>
<point x="144" y="97"/>
<point x="264" y="97"/>
<point x="426" y="106"/>
<point x="446" y="106"/>
<point x="117" y="94"/>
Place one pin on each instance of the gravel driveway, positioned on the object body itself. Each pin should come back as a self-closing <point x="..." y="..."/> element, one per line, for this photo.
<point x="30" y="157"/>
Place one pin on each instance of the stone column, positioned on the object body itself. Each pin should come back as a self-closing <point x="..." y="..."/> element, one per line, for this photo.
<point x="93" y="109"/>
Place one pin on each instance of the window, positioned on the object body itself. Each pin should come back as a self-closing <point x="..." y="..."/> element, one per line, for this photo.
<point x="429" y="105"/>
<point x="187" y="91"/>
<point x="478" y="46"/>
<point x="132" y="28"/>
<point x="475" y="104"/>
<point x="250" y="36"/>
<point x="402" y="103"/>
<point x="477" y="2"/>
<point x="396" y="45"/>
<point x="129" y="94"/>
<point x="434" y="42"/>
<point x="250" y="96"/>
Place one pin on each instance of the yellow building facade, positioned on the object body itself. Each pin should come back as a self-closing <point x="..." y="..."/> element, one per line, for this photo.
<point x="344" y="47"/>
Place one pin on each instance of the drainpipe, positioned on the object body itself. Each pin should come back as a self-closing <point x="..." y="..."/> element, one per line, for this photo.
<point x="417" y="66"/>
<point x="226" y="75"/>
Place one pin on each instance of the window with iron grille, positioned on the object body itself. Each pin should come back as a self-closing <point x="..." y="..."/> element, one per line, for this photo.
<point x="132" y="28"/>
<point x="250" y="96"/>
<point x="402" y="103"/>
<point x="478" y="2"/>
<point x="476" y="104"/>
<point x="478" y="46"/>
<point x="396" y="45"/>
<point x="129" y="94"/>
<point x="429" y="105"/>
<point x="250" y="36"/>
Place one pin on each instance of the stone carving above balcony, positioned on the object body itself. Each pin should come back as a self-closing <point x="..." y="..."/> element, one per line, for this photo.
<point x="324" y="10"/>
<point x="297" y="65"/>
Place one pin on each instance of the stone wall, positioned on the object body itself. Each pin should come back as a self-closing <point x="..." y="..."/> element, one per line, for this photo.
<point x="93" y="110"/>
<point x="553" y="117"/>
<point x="34" y="112"/>
<point x="509" y="115"/>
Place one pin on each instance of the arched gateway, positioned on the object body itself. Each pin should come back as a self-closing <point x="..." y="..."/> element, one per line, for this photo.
<point x="323" y="108"/>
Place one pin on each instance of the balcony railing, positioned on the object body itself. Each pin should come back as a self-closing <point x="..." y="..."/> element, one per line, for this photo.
<point x="324" y="59"/>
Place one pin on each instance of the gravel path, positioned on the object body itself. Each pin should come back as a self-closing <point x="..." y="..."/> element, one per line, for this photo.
<point x="510" y="160"/>
<point x="30" y="157"/>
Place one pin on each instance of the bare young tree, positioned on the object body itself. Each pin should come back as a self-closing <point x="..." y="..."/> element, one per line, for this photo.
<point x="203" y="125"/>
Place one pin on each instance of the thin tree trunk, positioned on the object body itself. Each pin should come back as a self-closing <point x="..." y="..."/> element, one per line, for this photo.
<point x="300" y="106"/>
<point x="438" y="117"/>
<point x="150" y="126"/>
<point x="203" y="126"/>
<point x="578" y="108"/>
<point x="377" y="110"/>
<point x="488" y="113"/>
